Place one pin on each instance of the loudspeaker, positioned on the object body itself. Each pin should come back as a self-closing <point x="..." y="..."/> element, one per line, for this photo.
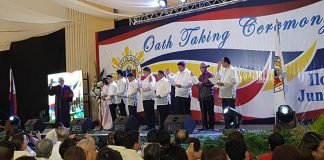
<point x="126" y="123"/>
<point x="81" y="125"/>
<point x="175" y="122"/>
<point x="34" y="125"/>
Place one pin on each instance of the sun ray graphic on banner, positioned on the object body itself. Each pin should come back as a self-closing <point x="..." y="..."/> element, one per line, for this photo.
<point x="129" y="62"/>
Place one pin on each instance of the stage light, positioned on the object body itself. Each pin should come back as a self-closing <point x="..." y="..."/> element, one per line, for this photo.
<point x="285" y="117"/>
<point x="162" y="3"/>
<point x="233" y="116"/>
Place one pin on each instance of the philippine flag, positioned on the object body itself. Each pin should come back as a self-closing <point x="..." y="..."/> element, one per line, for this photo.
<point x="12" y="95"/>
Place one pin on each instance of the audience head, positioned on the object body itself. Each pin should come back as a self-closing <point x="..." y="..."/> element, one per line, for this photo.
<point x="110" y="139"/>
<point x="181" y="136"/>
<point x="44" y="148"/>
<point x="286" y="152"/>
<point x="66" y="144"/>
<point x="108" y="154"/>
<point x="163" y="137"/>
<point x="196" y="141"/>
<point x="176" y="153"/>
<point x="120" y="138"/>
<point x="235" y="135"/>
<point x="133" y="140"/>
<point x="151" y="136"/>
<point x="275" y="140"/>
<point x="75" y="153"/>
<point x="20" y="141"/>
<point x="6" y="150"/>
<point x="312" y="146"/>
<point x="214" y="153"/>
<point x="89" y="146"/>
<point x="59" y="124"/>
<point x="62" y="133"/>
<point x="181" y="66"/>
<point x="236" y="149"/>
<point x="26" y="158"/>
<point x="153" y="152"/>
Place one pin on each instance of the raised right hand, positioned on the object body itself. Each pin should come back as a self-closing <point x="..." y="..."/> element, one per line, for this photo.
<point x="167" y="71"/>
<point x="219" y="65"/>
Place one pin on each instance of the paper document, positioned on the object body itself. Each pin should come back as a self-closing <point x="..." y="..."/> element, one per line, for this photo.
<point x="195" y="80"/>
<point x="213" y="80"/>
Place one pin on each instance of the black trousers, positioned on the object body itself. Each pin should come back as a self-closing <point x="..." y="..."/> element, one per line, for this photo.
<point x="122" y="108"/>
<point x="207" y="107"/>
<point x="62" y="114"/>
<point x="228" y="102"/>
<point x="112" y="109"/>
<point x="163" y="112"/>
<point x="149" y="113"/>
<point x="182" y="105"/>
<point x="133" y="112"/>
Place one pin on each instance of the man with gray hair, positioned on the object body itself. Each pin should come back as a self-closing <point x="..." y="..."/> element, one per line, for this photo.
<point x="63" y="99"/>
<point x="44" y="149"/>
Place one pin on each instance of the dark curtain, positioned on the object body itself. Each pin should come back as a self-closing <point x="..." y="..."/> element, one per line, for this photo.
<point x="31" y="61"/>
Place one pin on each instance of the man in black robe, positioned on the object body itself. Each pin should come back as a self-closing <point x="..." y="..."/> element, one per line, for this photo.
<point x="63" y="99"/>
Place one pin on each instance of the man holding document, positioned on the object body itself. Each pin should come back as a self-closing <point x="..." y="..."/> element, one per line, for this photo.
<point x="206" y="97"/>
<point x="227" y="79"/>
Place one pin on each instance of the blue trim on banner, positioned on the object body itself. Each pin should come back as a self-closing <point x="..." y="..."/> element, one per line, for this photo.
<point x="317" y="61"/>
<point x="248" y="59"/>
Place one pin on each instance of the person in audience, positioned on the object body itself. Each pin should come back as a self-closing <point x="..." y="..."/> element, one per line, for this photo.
<point x="274" y="140"/>
<point x="214" y="153"/>
<point x="286" y="152"/>
<point x="147" y="89"/>
<point x="20" y="141"/>
<point x="62" y="134"/>
<point x="52" y="133"/>
<point x="153" y="152"/>
<point x="162" y="100"/>
<point x="75" y="153"/>
<point x="120" y="139"/>
<point x="26" y="158"/>
<point x="89" y="146"/>
<point x="181" y="136"/>
<point x="43" y="149"/>
<point x="163" y="138"/>
<point x="132" y="91"/>
<point x="183" y="83"/>
<point x="6" y="150"/>
<point x="108" y="154"/>
<point x="176" y="153"/>
<point x="312" y="146"/>
<point x="133" y="140"/>
<point x="197" y="147"/>
<point x="110" y="139"/>
<point x="237" y="135"/>
<point x="122" y="84"/>
<point x="150" y="138"/>
<point x="236" y="150"/>
<point x="66" y="144"/>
